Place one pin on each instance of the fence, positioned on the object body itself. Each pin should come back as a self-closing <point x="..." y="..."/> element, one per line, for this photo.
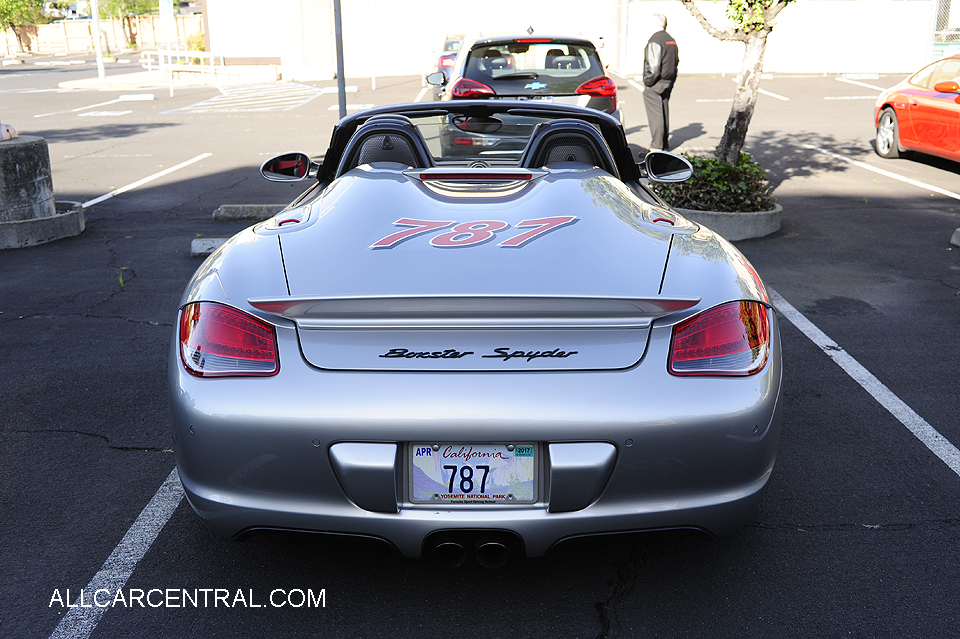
<point x="76" y="36"/>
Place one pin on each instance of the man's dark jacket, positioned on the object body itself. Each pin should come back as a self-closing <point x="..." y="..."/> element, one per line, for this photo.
<point x="660" y="62"/>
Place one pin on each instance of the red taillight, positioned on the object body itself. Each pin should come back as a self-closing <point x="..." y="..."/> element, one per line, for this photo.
<point x="218" y="340"/>
<point x="476" y="176"/>
<point x="466" y="88"/>
<point x="602" y="87"/>
<point x="446" y="62"/>
<point x="732" y="339"/>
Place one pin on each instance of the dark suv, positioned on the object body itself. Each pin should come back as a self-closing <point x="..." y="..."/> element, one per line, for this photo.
<point x="564" y="70"/>
<point x="555" y="69"/>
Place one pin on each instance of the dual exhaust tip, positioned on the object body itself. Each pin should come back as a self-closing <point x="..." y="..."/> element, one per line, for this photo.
<point x="491" y="550"/>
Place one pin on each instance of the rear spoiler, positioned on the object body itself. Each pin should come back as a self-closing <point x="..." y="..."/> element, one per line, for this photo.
<point x="474" y="311"/>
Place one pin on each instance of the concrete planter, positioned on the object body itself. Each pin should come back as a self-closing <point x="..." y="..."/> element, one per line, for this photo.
<point x="737" y="226"/>
<point x="28" y="213"/>
<point x="66" y="221"/>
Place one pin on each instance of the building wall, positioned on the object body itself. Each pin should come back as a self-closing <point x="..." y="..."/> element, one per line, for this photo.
<point x="402" y="37"/>
<point x="811" y="36"/>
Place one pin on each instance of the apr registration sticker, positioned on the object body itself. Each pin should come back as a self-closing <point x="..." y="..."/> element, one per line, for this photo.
<point x="473" y="473"/>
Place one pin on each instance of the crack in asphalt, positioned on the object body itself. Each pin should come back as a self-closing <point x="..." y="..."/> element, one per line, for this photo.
<point x="120" y="270"/>
<point x="106" y="439"/>
<point x="90" y="315"/>
<point x="125" y="275"/>
<point x="955" y="289"/>
<point x="226" y="187"/>
<point x="623" y="586"/>
<point x="888" y="527"/>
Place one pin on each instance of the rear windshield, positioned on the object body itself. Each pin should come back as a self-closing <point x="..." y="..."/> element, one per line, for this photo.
<point x="560" y="65"/>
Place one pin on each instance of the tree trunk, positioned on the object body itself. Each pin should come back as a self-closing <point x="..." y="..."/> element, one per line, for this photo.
<point x="735" y="131"/>
<point x="16" y="32"/>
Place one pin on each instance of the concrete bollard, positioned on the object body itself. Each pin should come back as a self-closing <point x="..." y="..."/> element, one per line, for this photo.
<point x="28" y="213"/>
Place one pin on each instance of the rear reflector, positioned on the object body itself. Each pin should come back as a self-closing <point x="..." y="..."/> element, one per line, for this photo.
<point x="732" y="339"/>
<point x="219" y="341"/>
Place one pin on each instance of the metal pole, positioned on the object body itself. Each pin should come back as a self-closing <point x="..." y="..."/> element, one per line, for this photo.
<point x="341" y="81"/>
<point x="96" y="39"/>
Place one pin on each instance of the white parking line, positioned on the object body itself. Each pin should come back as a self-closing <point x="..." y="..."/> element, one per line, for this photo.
<point x="889" y="174"/>
<point x="861" y="84"/>
<point x="133" y="97"/>
<point x="124" y="189"/>
<point x="931" y="438"/>
<point x="420" y="95"/>
<point x="80" y="622"/>
<point x="765" y="92"/>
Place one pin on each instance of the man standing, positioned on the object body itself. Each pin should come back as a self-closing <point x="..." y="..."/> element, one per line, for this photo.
<point x="660" y="60"/>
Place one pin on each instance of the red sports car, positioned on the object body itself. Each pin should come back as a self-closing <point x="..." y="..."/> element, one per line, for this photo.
<point x="922" y="113"/>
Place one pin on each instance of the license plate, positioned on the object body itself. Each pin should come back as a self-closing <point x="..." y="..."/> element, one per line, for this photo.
<point x="473" y="473"/>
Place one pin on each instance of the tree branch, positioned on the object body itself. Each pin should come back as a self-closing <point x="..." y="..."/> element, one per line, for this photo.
<point x="734" y="35"/>
<point x="771" y="13"/>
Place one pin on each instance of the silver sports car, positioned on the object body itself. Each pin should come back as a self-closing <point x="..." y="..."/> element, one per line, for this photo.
<point x="475" y="356"/>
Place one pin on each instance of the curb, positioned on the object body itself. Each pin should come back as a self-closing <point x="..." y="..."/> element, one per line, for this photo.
<point x="246" y="212"/>
<point x="250" y="213"/>
<point x="66" y="222"/>
<point x="737" y="226"/>
<point x="203" y="247"/>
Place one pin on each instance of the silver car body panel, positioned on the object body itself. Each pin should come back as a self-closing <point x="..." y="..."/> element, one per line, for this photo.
<point x="622" y="445"/>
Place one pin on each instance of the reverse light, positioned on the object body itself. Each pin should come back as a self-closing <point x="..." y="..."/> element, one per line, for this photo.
<point x="218" y="341"/>
<point x="602" y="87"/>
<point x="465" y="88"/>
<point x="731" y="339"/>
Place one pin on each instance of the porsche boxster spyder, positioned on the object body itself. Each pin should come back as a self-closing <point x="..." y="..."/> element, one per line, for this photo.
<point x="479" y="356"/>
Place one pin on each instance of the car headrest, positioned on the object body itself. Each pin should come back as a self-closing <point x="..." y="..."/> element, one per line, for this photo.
<point x="567" y="140"/>
<point x="386" y="138"/>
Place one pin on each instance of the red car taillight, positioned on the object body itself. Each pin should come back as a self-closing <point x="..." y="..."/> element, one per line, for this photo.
<point x="602" y="87"/>
<point x="446" y="63"/>
<point x="218" y="340"/>
<point x="466" y="88"/>
<point x="731" y="339"/>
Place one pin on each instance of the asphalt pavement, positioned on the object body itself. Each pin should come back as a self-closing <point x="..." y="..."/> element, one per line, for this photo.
<point x="858" y="532"/>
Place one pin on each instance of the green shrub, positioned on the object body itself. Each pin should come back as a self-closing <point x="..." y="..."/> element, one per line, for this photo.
<point x="718" y="186"/>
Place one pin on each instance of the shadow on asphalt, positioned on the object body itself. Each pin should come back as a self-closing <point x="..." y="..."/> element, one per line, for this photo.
<point x="102" y="132"/>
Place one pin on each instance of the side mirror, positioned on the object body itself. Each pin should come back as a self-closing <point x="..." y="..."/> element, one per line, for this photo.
<point x="437" y="79"/>
<point x="661" y="166"/>
<point x="288" y="167"/>
<point x="947" y="86"/>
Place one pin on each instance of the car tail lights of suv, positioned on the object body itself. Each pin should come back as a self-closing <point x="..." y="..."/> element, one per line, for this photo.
<point x="602" y="87"/>
<point x="465" y="88"/>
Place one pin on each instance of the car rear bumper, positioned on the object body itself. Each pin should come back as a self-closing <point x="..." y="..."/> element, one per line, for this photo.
<point x="261" y="453"/>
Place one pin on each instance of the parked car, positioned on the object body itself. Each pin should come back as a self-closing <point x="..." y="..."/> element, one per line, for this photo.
<point x="922" y="113"/>
<point x="561" y="70"/>
<point x="473" y="356"/>
<point x="451" y="45"/>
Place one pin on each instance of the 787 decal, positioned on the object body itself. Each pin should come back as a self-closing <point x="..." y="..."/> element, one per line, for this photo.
<point x="473" y="233"/>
